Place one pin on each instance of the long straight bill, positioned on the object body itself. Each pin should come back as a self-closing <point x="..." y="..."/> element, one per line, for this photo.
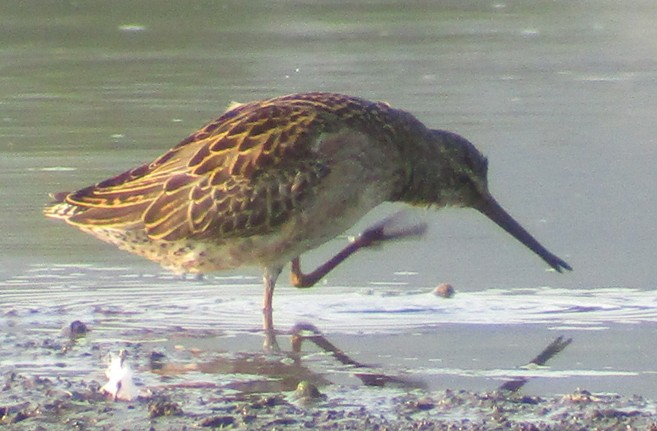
<point x="495" y="212"/>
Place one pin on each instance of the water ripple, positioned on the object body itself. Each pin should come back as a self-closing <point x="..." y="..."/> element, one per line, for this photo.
<point x="116" y="296"/>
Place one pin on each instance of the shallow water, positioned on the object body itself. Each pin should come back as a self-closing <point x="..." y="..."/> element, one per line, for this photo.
<point x="559" y="95"/>
<point x="475" y="340"/>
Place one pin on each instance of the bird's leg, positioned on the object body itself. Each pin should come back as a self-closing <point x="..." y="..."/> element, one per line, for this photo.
<point x="306" y="331"/>
<point x="383" y="231"/>
<point x="269" y="278"/>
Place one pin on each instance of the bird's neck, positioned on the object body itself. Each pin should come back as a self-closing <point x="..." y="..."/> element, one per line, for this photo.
<point x="429" y="175"/>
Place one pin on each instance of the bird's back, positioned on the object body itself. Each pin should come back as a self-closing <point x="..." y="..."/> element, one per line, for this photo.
<point x="244" y="174"/>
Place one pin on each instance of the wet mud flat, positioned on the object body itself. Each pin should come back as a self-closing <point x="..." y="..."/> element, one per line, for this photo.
<point x="54" y="381"/>
<point x="32" y="403"/>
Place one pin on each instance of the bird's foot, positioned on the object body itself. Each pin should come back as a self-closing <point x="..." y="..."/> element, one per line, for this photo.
<point x="270" y="344"/>
<point x="391" y="228"/>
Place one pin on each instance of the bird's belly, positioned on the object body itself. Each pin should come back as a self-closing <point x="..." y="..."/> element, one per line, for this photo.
<point x="190" y="255"/>
<point x="203" y="256"/>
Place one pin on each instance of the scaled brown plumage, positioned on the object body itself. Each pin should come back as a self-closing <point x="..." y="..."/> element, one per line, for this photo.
<point x="270" y="180"/>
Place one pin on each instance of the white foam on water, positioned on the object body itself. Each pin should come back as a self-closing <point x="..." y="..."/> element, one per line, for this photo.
<point x="234" y="303"/>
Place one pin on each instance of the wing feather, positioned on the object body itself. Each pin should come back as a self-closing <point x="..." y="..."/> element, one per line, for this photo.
<point x="242" y="174"/>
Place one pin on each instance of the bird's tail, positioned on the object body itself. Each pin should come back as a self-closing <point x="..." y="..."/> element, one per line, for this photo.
<point x="59" y="208"/>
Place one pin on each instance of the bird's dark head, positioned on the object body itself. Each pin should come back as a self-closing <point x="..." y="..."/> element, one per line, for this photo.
<point x="447" y="171"/>
<point x="463" y="171"/>
<point x="453" y="172"/>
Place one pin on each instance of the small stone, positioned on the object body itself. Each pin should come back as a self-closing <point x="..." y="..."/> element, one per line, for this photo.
<point x="444" y="290"/>
<point x="217" y="421"/>
<point x="307" y="390"/>
<point x="421" y="404"/>
<point x="157" y="360"/>
<point x="163" y="407"/>
<point x="75" y="329"/>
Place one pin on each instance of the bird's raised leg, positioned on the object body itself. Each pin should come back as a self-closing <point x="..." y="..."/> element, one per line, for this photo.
<point x="269" y="278"/>
<point x="369" y="376"/>
<point x="386" y="230"/>
<point x="548" y="353"/>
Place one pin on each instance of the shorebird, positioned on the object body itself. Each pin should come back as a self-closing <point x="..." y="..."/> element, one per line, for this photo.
<point x="269" y="180"/>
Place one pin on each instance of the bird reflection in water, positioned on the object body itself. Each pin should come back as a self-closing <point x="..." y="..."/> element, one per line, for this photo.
<point x="285" y="372"/>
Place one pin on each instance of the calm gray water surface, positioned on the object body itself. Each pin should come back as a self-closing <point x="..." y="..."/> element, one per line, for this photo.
<point x="561" y="96"/>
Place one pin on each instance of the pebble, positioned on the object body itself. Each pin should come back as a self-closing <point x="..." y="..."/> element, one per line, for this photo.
<point x="444" y="290"/>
